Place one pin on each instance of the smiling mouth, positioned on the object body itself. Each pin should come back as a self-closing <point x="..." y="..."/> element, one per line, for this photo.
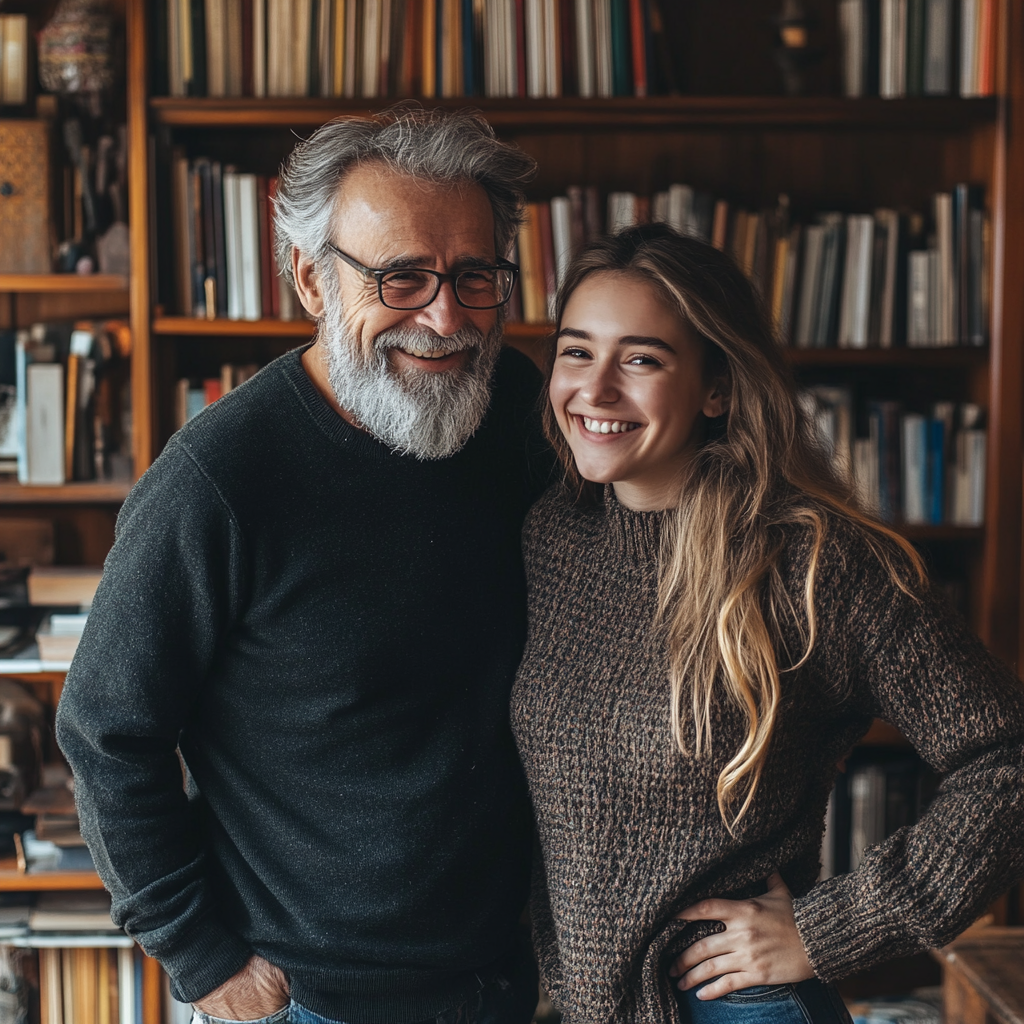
<point x="430" y="353"/>
<point x="593" y="426"/>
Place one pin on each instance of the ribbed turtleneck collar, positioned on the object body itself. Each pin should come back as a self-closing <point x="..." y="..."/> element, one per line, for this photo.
<point x="636" y="534"/>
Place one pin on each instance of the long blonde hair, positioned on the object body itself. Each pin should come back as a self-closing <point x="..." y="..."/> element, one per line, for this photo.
<point x="722" y="602"/>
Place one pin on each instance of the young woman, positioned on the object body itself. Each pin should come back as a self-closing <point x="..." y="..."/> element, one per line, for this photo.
<point x="713" y="625"/>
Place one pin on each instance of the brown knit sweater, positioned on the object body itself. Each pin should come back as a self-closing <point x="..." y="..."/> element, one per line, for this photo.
<point x="630" y="828"/>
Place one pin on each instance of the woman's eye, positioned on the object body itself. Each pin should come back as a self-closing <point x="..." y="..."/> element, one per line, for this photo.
<point x="574" y="353"/>
<point x="640" y="359"/>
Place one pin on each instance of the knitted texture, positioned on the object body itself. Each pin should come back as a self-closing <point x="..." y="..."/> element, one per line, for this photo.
<point x="629" y="826"/>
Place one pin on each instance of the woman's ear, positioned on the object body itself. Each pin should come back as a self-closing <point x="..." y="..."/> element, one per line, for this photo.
<point x="716" y="404"/>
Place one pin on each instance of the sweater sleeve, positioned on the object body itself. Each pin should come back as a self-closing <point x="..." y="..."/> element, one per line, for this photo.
<point x="168" y="592"/>
<point x="915" y="664"/>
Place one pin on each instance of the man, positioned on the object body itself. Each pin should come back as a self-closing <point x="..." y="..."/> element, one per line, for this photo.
<point x="315" y="595"/>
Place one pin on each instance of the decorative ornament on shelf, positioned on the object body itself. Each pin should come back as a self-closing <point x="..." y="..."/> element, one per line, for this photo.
<point x="76" y="48"/>
<point x="793" y="52"/>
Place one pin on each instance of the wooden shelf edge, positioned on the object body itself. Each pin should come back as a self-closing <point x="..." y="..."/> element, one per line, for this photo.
<point x="63" y="283"/>
<point x="85" y="493"/>
<point x="13" y="880"/>
<point x="625" y="112"/>
<point x="197" y="327"/>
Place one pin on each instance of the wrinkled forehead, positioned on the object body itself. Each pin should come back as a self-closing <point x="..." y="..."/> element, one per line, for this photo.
<point x="399" y="214"/>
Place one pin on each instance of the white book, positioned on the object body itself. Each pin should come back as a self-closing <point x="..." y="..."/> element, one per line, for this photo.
<point x="867" y="811"/>
<point x="552" y="61"/>
<point x="914" y="468"/>
<point x="45" y="423"/>
<point x="126" y="987"/>
<point x="509" y="48"/>
<point x="854" y="319"/>
<point x="216" y="50"/>
<point x="603" y="48"/>
<point x="680" y="208"/>
<point x="806" y="320"/>
<point x="259" y="47"/>
<point x="13" y="58"/>
<point x="349" y="86"/>
<point x="887" y="50"/>
<point x="323" y="47"/>
<point x="586" y="71"/>
<point x="298" y="32"/>
<point x="249" y="237"/>
<point x="969" y="47"/>
<point x="536" y="78"/>
<point x="561" y="235"/>
<point x="233" y="245"/>
<point x="622" y="212"/>
<point x="174" y="65"/>
<point x="865" y="474"/>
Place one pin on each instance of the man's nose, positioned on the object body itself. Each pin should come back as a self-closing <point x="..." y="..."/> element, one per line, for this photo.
<point x="444" y="315"/>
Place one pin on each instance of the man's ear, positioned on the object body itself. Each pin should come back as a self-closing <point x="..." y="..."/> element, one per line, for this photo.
<point x="307" y="283"/>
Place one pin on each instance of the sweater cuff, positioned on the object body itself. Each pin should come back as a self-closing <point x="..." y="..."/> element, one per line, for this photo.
<point x="207" y="956"/>
<point x="841" y="932"/>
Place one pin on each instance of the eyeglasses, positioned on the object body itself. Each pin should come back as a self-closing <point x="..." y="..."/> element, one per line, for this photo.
<point x="413" y="288"/>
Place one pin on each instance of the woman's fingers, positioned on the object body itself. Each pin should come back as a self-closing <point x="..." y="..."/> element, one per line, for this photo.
<point x="712" y="945"/>
<point x="710" y="910"/>
<point x="725" y="984"/>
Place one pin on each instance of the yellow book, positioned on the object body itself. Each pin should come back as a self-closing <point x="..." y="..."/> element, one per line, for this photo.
<point x="338" y="49"/>
<point x="531" y="259"/>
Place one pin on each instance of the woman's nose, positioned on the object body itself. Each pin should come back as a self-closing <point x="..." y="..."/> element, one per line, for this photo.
<point x="600" y="387"/>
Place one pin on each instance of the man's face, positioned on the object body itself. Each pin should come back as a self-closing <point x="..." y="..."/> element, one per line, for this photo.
<point x="418" y="380"/>
<point x="385" y="218"/>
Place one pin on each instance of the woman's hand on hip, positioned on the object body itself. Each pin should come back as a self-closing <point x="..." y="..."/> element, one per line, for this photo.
<point x="258" y="990"/>
<point x="760" y="944"/>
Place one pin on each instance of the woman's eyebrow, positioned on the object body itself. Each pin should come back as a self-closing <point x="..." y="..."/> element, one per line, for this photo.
<point x="643" y="339"/>
<point x="572" y="332"/>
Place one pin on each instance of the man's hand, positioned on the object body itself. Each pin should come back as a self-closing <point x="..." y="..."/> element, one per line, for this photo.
<point x="257" y="990"/>
<point x="760" y="944"/>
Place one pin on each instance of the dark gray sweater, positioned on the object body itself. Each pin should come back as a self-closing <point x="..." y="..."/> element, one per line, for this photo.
<point x="630" y="827"/>
<point x="329" y="632"/>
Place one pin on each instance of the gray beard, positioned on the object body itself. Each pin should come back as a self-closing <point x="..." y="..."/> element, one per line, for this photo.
<point x="428" y="415"/>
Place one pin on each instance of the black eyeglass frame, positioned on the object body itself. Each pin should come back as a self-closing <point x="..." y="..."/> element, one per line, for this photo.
<point x="380" y="274"/>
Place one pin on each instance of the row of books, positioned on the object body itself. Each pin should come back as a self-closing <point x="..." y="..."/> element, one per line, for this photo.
<point x="224" y="243"/>
<point x="65" y="409"/>
<point x="13" y="59"/>
<point x="894" y="48"/>
<point x="193" y="395"/>
<point x="881" y="792"/>
<point x="846" y="280"/>
<point x="912" y="467"/>
<point x="376" y="48"/>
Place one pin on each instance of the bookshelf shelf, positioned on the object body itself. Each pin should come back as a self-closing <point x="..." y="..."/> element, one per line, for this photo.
<point x="189" y="325"/>
<point x="622" y="113"/>
<point x="86" y="493"/>
<point x="13" y="880"/>
<point x="54" y="283"/>
<point x="923" y="358"/>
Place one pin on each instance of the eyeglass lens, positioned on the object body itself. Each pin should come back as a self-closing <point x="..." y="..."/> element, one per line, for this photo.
<point x="479" y="289"/>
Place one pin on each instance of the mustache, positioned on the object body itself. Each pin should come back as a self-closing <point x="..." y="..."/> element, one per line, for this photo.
<point x="464" y="338"/>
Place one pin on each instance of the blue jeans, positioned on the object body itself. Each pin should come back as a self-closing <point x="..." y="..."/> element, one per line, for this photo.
<point x="806" y="1002"/>
<point x="500" y="1000"/>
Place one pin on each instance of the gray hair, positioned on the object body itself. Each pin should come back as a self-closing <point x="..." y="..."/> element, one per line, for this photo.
<point x="432" y="145"/>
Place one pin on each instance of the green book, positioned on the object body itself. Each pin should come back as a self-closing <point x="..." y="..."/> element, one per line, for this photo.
<point x="622" y="78"/>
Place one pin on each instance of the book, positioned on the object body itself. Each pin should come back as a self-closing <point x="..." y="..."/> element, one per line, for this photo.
<point x="63" y="585"/>
<point x="938" y="47"/>
<point x="44" y="423"/>
<point x="72" y="912"/>
<point x="13" y="59"/>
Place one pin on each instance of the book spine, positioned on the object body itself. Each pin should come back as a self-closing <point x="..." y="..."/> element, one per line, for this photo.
<point x="638" y="40"/>
<point x="621" y="85"/>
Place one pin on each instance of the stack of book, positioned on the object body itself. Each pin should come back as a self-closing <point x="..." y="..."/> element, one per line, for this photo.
<point x="224" y="242"/>
<point x="848" y="280"/>
<point x="912" y="467"/>
<point x="193" y="396"/>
<point x="64" y="390"/>
<point x="376" y="48"/>
<point x="894" y="48"/>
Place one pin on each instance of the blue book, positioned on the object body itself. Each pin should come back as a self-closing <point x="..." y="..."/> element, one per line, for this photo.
<point x="469" y="56"/>
<point x="936" y="471"/>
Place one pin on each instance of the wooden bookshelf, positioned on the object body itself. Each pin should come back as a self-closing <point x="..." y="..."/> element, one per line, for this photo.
<point x="221" y="328"/>
<point x="619" y="114"/>
<point x="14" y="880"/>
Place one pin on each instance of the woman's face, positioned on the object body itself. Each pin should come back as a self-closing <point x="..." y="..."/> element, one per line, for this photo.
<point x="628" y="388"/>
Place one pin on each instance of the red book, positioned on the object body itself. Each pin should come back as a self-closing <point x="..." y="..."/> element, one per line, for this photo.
<point x="638" y="38"/>
<point x="548" y="255"/>
<point x="275" y="292"/>
<point x="521" y="48"/>
<point x="986" y="48"/>
<point x="247" y="44"/>
<point x="211" y="390"/>
<point x="267" y="282"/>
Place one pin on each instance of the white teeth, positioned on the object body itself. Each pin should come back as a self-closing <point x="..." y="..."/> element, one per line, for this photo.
<point x="429" y="353"/>
<point x="608" y="426"/>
